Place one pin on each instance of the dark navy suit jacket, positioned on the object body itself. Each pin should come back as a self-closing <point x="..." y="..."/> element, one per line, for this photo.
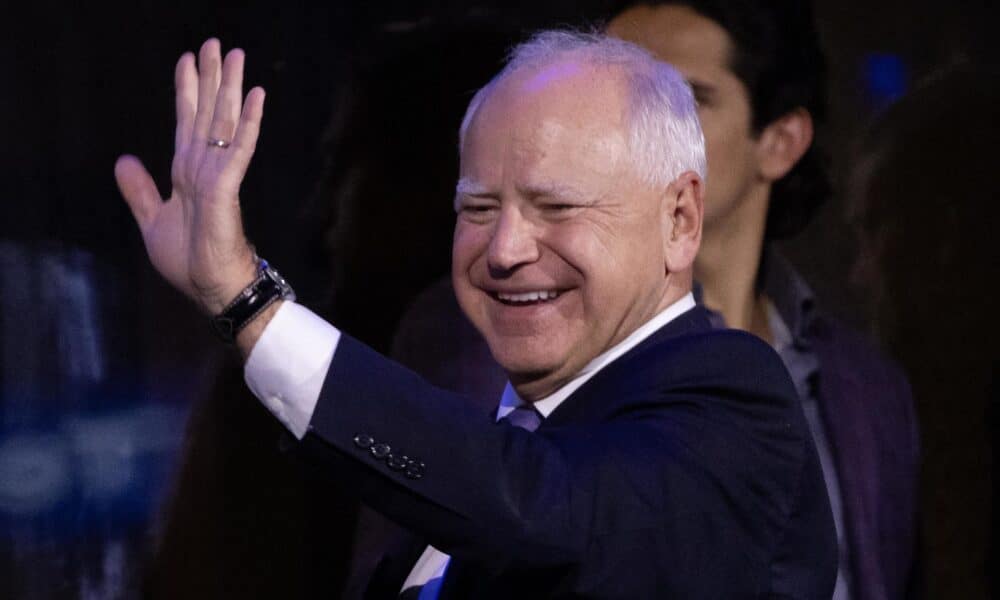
<point x="684" y="469"/>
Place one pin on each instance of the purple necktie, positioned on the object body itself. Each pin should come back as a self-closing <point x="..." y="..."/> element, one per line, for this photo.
<point x="525" y="416"/>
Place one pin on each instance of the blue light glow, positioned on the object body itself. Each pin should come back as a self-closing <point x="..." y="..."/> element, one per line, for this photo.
<point x="886" y="78"/>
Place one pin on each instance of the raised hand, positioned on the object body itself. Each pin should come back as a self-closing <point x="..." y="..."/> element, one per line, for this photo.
<point x="195" y="237"/>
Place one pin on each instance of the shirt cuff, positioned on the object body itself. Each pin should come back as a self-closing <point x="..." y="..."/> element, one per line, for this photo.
<point x="288" y="364"/>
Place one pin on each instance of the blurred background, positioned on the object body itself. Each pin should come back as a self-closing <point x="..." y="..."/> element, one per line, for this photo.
<point x="120" y="412"/>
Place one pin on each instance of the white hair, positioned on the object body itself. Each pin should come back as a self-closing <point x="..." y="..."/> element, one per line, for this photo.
<point x="664" y="134"/>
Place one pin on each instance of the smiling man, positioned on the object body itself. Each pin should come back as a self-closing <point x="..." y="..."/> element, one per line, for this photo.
<point x="562" y="248"/>
<point x="637" y="452"/>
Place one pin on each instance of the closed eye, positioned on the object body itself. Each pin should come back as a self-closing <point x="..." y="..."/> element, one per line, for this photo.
<point x="477" y="212"/>
<point x="558" y="211"/>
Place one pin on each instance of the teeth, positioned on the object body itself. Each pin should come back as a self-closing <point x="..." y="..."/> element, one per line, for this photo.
<point x="528" y="296"/>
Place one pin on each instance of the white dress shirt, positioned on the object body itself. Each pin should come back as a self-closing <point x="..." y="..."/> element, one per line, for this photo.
<point x="288" y="365"/>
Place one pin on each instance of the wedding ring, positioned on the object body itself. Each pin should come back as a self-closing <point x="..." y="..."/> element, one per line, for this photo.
<point x="217" y="143"/>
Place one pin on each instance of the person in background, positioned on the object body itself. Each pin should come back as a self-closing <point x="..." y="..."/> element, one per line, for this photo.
<point x="758" y="75"/>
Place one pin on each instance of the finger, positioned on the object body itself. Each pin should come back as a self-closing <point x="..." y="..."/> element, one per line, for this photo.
<point x="186" y="100"/>
<point x="208" y="87"/>
<point x="245" y="140"/>
<point x="228" y="100"/>
<point x="138" y="189"/>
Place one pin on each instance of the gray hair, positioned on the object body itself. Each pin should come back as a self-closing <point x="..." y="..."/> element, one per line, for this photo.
<point x="664" y="135"/>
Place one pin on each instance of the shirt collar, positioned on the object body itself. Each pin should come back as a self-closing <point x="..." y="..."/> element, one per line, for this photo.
<point x="792" y="298"/>
<point x="510" y="400"/>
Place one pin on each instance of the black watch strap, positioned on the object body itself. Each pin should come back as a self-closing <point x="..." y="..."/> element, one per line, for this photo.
<point x="268" y="287"/>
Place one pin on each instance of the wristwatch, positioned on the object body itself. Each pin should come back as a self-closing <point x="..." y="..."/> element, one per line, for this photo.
<point x="268" y="287"/>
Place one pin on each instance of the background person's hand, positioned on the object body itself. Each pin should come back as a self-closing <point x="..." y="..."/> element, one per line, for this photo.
<point x="195" y="237"/>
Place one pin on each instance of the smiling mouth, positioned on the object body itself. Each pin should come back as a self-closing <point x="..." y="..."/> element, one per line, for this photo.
<point x="526" y="298"/>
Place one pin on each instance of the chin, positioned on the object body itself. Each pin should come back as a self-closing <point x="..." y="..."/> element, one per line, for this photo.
<point x="524" y="361"/>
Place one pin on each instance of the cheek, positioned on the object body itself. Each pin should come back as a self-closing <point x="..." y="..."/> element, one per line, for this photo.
<point x="579" y="246"/>
<point x="609" y="258"/>
<point x="470" y="299"/>
<point x="468" y="246"/>
<point x="720" y="142"/>
<point x="469" y="242"/>
<point x="728" y="149"/>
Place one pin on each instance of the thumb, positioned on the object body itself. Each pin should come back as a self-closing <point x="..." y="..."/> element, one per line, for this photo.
<point x="138" y="189"/>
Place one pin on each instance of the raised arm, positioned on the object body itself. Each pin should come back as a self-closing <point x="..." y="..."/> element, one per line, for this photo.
<point x="195" y="237"/>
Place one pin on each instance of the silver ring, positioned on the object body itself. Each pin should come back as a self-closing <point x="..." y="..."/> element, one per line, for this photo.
<point x="217" y="143"/>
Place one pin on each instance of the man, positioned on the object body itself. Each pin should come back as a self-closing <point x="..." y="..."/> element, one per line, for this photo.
<point x="757" y="74"/>
<point x="672" y="460"/>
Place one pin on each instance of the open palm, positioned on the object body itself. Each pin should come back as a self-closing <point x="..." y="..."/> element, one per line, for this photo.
<point x="195" y="237"/>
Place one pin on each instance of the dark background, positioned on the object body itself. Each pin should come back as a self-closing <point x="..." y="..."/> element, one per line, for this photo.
<point x="85" y="82"/>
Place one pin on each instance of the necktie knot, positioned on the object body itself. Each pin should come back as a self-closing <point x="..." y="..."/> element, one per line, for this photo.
<point x="525" y="416"/>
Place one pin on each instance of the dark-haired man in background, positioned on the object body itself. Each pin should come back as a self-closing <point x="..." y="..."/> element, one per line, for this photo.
<point x="758" y="75"/>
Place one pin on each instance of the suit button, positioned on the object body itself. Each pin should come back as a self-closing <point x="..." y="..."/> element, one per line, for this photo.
<point x="364" y="441"/>
<point x="381" y="450"/>
<point x="414" y="469"/>
<point x="397" y="462"/>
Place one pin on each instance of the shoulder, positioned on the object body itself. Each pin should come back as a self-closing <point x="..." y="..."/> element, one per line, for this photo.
<point x="719" y="389"/>
<point x="727" y="360"/>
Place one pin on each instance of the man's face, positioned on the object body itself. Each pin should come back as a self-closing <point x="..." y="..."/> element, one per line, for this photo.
<point x="558" y="251"/>
<point x="700" y="49"/>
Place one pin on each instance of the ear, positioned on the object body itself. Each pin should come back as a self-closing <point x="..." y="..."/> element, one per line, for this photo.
<point x="782" y="143"/>
<point x="683" y="213"/>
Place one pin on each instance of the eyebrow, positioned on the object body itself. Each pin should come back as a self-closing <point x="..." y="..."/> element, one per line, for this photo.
<point x="556" y="190"/>
<point x="470" y="187"/>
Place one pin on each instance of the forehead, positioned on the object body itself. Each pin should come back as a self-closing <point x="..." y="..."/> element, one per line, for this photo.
<point x="564" y="112"/>
<point x="675" y="34"/>
<point x="569" y="91"/>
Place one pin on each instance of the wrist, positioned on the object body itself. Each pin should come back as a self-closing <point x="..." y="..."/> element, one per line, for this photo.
<point x="239" y="273"/>
<point x="215" y="301"/>
<point x="257" y="298"/>
<point x="247" y="338"/>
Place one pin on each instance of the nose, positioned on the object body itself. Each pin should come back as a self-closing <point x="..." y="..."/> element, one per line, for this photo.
<point x="513" y="244"/>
